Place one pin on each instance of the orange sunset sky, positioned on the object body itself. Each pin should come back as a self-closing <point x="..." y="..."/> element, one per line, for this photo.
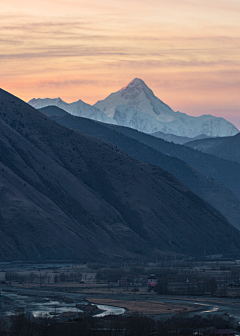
<point x="186" y="51"/>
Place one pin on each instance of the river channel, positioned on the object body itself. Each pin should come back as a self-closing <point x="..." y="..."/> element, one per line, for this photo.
<point x="48" y="304"/>
<point x="42" y="302"/>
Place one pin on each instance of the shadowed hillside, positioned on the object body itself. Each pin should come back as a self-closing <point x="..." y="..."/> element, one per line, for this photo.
<point x="67" y="195"/>
<point x="207" y="188"/>
<point x="227" y="147"/>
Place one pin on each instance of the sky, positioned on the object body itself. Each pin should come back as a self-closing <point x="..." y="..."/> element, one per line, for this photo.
<point x="186" y="51"/>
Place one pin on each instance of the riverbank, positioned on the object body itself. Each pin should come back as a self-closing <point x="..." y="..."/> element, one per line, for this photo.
<point x="71" y="297"/>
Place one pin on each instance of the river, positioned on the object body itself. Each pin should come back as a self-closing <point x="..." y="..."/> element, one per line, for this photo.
<point x="44" y="303"/>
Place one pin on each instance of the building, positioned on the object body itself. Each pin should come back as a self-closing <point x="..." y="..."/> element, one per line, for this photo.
<point x="152" y="280"/>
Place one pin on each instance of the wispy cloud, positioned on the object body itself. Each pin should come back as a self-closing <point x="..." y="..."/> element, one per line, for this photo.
<point x="76" y="82"/>
<point x="179" y="47"/>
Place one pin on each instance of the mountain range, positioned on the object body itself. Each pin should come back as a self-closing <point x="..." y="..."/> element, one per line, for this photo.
<point x="177" y="139"/>
<point x="68" y="195"/>
<point x="137" y="107"/>
<point x="78" y="108"/>
<point x="221" y="170"/>
<point x="148" y="149"/>
<point x="226" y="147"/>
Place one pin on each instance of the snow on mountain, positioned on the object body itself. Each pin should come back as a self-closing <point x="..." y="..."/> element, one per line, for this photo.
<point x="140" y="97"/>
<point x="185" y="125"/>
<point x="137" y="107"/>
<point x="78" y="108"/>
<point x="128" y="116"/>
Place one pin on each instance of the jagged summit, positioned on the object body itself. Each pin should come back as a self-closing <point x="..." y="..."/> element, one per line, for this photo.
<point x="78" y="108"/>
<point x="142" y="110"/>
<point x="139" y="97"/>
<point x="36" y="102"/>
<point x="134" y="82"/>
<point x="137" y="81"/>
<point x="137" y="90"/>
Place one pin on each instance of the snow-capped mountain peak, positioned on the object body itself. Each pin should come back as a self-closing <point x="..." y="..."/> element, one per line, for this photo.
<point x="136" y="106"/>
<point x="141" y="98"/>
<point x="136" y="82"/>
<point x="78" y="108"/>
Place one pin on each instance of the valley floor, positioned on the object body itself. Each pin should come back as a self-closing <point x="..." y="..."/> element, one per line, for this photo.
<point x="142" y="302"/>
<point x="58" y="297"/>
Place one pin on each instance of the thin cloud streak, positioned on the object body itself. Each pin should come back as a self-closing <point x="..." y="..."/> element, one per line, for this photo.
<point x="76" y="82"/>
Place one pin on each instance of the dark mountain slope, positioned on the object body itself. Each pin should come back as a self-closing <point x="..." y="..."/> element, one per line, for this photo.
<point x="211" y="191"/>
<point x="67" y="195"/>
<point x="177" y="139"/>
<point x="53" y="110"/>
<point x="227" y="147"/>
<point x="223" y="171"/>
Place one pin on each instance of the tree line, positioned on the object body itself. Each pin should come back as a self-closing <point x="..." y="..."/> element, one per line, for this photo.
<point x="43" y="278"/>
<point x="22" y="324"/>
